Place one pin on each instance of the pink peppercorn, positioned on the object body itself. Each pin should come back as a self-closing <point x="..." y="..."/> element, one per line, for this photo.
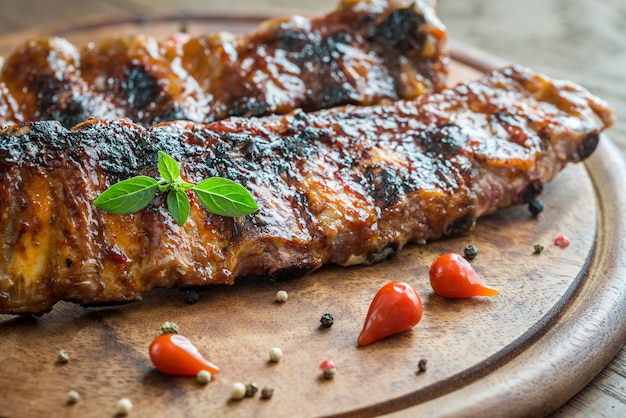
<point x="329" y="368"/>
<point x="562" y="241"/>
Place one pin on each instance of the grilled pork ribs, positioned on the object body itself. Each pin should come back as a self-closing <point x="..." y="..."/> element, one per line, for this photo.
<point x="346" y="185"/>
<point x="363" y="53"/>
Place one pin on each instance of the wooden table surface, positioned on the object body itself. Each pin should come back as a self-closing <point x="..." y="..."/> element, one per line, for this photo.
<point x="580" y="40"/>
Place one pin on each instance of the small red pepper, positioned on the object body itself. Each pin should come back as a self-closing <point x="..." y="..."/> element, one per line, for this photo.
<point x="452" y="276"/>
<point x="175" y="354"/>
<point x="395" y="308"/>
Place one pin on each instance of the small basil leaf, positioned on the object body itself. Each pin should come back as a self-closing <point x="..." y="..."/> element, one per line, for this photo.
<point x="178" y="205"/>
<point x="225" y="197"/>
<point x="128" y="196"/>
<point x="169" y="168"/>
<point x="183" y="185"/>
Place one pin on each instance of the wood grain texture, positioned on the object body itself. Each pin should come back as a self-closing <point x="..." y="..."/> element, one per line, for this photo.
<point x="605" y="395"/>
<point x="580" y="334"/>
<point x="559" y="321"/>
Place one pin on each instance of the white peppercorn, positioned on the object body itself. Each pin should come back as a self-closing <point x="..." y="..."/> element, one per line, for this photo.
<point x="282" y="296"/>
<point x="237" y="391"/>
<point x="203" y="377"/>
<point x="72" y="397"/>
<point x="124" y="406"/>
<point x="276" y="354"/>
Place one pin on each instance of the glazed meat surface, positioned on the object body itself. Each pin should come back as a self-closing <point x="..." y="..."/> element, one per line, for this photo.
<point x="348" y="185"/>
<point x="365" y="52"/>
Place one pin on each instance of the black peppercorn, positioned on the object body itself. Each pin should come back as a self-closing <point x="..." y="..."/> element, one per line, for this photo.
<point x="470" y="252"/>
<point x="421" y="365"/>
<point x="535" y="206"/>
<point x="327" y="320"/>
<point x="191" y="296"/>
<point x="267" y="392"/>
<point x="251" y="389"/>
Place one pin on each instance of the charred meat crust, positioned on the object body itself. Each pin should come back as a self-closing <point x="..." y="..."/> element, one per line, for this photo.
<point x="353" y="55"/>
<point x="347" y="185"/>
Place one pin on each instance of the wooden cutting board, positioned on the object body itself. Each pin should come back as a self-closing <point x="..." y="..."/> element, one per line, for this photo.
<point x="559" y="320"/>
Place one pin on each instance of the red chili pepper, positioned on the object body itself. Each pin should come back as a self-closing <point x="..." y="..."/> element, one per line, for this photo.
<point x="395" y="308"/>
<point x="175" y="354"/>
<point x="452" y="276"/>
<point x="562" y="241"/>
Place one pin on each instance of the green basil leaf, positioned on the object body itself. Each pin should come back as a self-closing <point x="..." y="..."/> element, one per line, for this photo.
<point x="225" y="197"/>
<point x="178" y="205"/>
<point x="169" y="168"/>
<point x="128" y="196"/>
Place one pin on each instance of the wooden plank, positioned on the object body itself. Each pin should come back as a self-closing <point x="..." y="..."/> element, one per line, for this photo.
<point x="604" y="396"/>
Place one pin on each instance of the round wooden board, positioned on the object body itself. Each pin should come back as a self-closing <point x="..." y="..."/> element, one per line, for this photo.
<point x="559" y="320"/>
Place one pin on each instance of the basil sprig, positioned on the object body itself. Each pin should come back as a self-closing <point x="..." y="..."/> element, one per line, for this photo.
<point x="218" y="195"/>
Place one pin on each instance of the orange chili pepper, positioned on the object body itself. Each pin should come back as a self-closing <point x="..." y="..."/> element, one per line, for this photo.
<point x="175" y="354"/>
<point x="452" y="276"/>
<point x="396" y="308"/>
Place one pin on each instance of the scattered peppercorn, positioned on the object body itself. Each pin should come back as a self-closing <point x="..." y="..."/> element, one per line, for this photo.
<point x="169" y="328"/>
<point x="124" y="406"/>
<point x="276" y="354"/>
<point x="538" y="247"/>
<point x="535" y="206"/>
<point x="184" y="26"/>
<point x="251" y="389"/>
<point x="191" y="296"/>
<point x="327" y="320"/>
<point x="421" y="365"/>
<point x="203" y="377"/>
<point x="63" y="357"/>
<point x="470" y="252"/>
<point x="329" y="369"/>
<point x="281" y="296"/>
<point x="72" y="397"/>
<point x="267" y="392"/>
<point x="562" y="241"/>
<point x="237" y="391"/>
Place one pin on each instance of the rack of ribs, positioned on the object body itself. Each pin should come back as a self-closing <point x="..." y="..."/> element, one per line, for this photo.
<point x="346" y="185"/>
<point x="365" y="52"/>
